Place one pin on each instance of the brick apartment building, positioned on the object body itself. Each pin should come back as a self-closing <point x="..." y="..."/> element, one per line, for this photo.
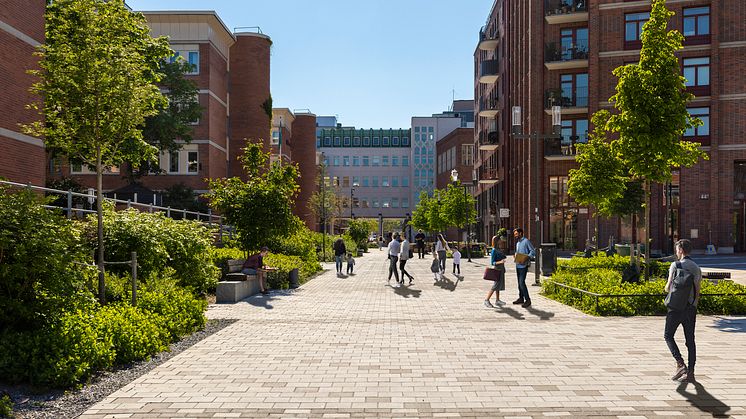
<point x="455" y="151"/>
<point x="21" y="31"/>
<point x="562" y="52"/>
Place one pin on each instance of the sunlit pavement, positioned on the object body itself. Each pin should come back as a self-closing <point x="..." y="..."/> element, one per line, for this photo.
<point x="359" y="346"/>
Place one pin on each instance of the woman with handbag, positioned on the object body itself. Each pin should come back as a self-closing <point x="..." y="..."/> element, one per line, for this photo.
<point x="495" y="273"/>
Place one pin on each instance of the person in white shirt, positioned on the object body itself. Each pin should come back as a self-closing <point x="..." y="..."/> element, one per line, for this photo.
<point x="403" y="257"/>
<point x="457" y="262"/>
<point x="394" y="250"/>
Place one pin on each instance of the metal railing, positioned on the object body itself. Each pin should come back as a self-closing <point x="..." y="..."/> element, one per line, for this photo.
<point x="554" y="51"/>
<point x="210" y="219"/>
<point x="563" y="7"/>
<point x="558" y="97"/>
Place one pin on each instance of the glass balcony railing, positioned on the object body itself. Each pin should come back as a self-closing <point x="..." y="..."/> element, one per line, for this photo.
<point x="565" y="146"/>
<point x="555" y="51"/>
<point x="559" y="97"/>
<point x="563" y="7"/>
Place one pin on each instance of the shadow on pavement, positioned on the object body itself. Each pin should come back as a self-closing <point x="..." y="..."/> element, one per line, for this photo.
<point x="704" y="401"/>
<point x="730" y="325"/>
<point x="260" y="300"/>
<point x="542" y="315"/>
<point x="406" y="292"/>
<point x="510" y="312"/>
<point x="447" y="284"/>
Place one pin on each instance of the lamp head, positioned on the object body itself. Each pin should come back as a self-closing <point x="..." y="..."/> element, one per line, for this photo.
<point x="454" y="175"/>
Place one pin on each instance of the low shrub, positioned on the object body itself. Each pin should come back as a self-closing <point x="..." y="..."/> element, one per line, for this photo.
<point x="608" y="281"/>
<point x="221" y="256"/>
<point x="319" y="238"/>
<point x="134" y="333"/>
<point x="177" y="311"/>
<point x="279" y="279"/>
<point x="618" y="263"/>
<point x="6" y="406"/>
<point x="300" y="243"/>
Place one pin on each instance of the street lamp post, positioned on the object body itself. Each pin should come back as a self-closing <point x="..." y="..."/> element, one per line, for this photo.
<point x="352" y="193"/>
<point x="279" y="139"/>
<point x="454" y="177"/>
<point x="323" y="206"/>
<point x="517" y="133"/>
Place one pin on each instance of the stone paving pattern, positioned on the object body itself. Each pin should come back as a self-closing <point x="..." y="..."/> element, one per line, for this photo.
<point x="358" y="346"/>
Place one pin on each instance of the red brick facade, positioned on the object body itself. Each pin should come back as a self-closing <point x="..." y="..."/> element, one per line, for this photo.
<point x="304" y="154"/>
<point x="708" y="211"/>
<point x="21" y="156"/>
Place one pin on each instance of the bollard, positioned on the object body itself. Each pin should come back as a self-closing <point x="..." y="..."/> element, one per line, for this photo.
<point x="134" y="278"/>
<point x="69" y="204"/>
<point x="209" y="218"/>
<point x="168" y="212"/>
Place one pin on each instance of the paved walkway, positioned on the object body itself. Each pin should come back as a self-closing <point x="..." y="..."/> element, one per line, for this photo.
<point x="358" y="347"/>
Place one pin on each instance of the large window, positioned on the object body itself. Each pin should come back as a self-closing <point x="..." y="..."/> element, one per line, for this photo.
<point x="574" y="131"/>
<point x="346" y="160"/>
<point x="574" y="43"/>
<point x="365" y="160"/>
<point x="467" y="154"/>
<point x="394" y="160"/>
<point x="563" y="214"/>
<point x="385" y="181"/>
<point x="366" y="181"/>
<point x="574" y="89"/>
<point x="405" y="182"/>
<point x="356" y="160"/>
<point x="394" y="181"/>
<point x="702" y="132"/>
<point x="192" y="57"/>
<point x="376" y="160"/>
<point x="405" y="161"/>
<point x="696" y="71"/>
<point x="385" y="161"/>
<point x="633" y="23"/>
<point x="696" y="21"/>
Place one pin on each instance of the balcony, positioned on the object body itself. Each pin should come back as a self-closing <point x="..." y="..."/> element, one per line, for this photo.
<point x="563" y="57"/>
<point x="488" y="73"/>
<point x="565" y="11"/>
<point x="562" y="148"/>
<point x="489" y="141"/>
<point x="487" y="42"/>
<point x="489" y="175"/>
<point x="488" y="107"/>
<point x="571" y="103"/>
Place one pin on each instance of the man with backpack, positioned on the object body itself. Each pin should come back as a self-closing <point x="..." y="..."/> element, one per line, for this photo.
<point x="683" y="286"/>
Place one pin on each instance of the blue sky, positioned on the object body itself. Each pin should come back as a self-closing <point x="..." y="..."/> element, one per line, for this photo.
<point x="374" y="63"/>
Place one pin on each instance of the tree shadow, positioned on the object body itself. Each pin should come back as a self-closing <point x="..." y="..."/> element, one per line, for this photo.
<point x="406" y="292"/>
<point x="730" y="325"/>
<point x="703" y="400"/>
<point x="510" y="312"/>
<point x="542" y="315"/>
<point x="446" y="283"/>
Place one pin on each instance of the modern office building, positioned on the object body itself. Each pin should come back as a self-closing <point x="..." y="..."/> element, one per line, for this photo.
<point x="568" y="61"/>
<point x="22" y="157"/>
<point x="369" y="168"/>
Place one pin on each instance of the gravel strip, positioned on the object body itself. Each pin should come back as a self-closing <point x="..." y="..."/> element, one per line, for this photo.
<point x="71" y="404"/>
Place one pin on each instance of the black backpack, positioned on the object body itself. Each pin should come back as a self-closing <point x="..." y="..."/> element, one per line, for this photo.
<point x="681" y="289"/>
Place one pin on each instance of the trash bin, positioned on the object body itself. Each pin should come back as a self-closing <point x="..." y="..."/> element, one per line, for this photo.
<point x="293" y="278"/>
<point x="548" y="258"/>
<point x="623" y="249"/>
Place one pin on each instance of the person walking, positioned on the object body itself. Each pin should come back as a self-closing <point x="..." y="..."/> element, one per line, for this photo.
<point x="404" y="255"/>
<point x="683" y="288"/>
<point x="350" y="263"/>
<point x="420" y="240"/>
<point x="435" y="267"/>
<point x="339" y="251"/>
<point x="524" y="251"/>
<point x="441" y="248"/>
<point x="380" y="243"/>
<point x="456" y="262"/>
<point x="394" y="250"/>
<point x="497" y="261"/>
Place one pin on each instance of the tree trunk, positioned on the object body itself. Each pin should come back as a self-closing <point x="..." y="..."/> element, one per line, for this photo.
<point x="647" y="230"/>
<point x="100" y="217"/>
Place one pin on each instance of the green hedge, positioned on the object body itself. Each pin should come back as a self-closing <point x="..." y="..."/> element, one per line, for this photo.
<point x="319" y="239"/>
<point x="616" y="262"/>
<point x="609" y="281"/>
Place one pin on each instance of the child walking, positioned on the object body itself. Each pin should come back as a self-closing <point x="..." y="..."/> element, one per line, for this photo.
<point x="350" y="263"/>
<point x="456" y="262"/>
<point x="435" y="267"/>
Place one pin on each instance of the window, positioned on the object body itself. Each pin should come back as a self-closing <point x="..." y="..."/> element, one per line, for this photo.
<point x="193" y="162"/>
<point x="345" y="181"/>
<point x="327" y="141"/>
<point x="394" y="202"/>
<point x="356" y="141"/>
<point x="173" y="165"/>
<point x="416" y="151"/>
<point x="365" y="160"/>
<point x="417" y="129"/>
<point x="347" y="141"/>
<point x="574" y="90"/>
<point x="573" y="44"/>
<point x="633" y="23"/>
<point x="335" y="181"/>
<point x="416" y="172"/>
<point x="405" y="202"/>
<point x="394" y="160"/>
<point x="385" y="203"/>
<point x="702" y="132"/>
<point x="375" y="203"/>
<point x="356" y="181"/>
<point x="376" y="160"/>
<point x="573" y="131"/>
<point x="337" y="142"/>
<point x="385" y="161"/>
<point x="405" y="161"/>
<point x="364" y="202"/>
<point x="697" y="21"/>
<point x="385" y="141"/>
<point x="467" y="154"/>
<point x="385" y="181"/>
<point x="696" y="71"/>
<point x="375" y="181"/>
<point x="318" y="142"/>
<point x="365" y="181"/>
<point x="405" y="141"/>
<point x="346" y="161"/>
<point x="356" y="160"/>
<point x="405" y="182"/>
<point x="336" y="160"/>
<point x="192" y="57"/>
<point x="376" y="141"/>
<point x="395" y="141"/>
<point x="394" y="181"/>
<point x="429" y="129"/>
<point x="366" y="141"/>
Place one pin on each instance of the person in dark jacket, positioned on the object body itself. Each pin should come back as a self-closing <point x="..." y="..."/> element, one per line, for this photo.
<point x="254" y="265"/>
<point x="339" y="252"/>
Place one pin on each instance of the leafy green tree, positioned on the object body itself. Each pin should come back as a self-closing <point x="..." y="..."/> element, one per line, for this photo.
<point x="261" y="208"/>
<point x="99" y="69"/>
<point x="325" y="204"/>
<point x="175" y="116"/>
<point x="360" y="230"/>
<point x="181" y="196"/>
<point x="457" y="209"/>
<point x="420" y="219"/>
<point x="651" y="102"/>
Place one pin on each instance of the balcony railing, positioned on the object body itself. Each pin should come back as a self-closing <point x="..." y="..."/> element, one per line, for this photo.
<point x="563" y="7"/>
<point x="554" y="51"/>
<point x="489" y="175"/>
<point x="489" y="140"/>
<point x="565" y="146"/>
<point x="488" y="71"/>
<point x="487" y="40"/>
<point x="488" y="107"/>
<point x="556" y="97"/>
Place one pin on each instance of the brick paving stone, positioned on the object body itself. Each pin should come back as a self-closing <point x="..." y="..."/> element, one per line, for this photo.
<point x="359" y="346"/>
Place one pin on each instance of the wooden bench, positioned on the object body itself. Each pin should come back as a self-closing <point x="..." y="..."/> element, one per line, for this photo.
<point x="236" y="286"/>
